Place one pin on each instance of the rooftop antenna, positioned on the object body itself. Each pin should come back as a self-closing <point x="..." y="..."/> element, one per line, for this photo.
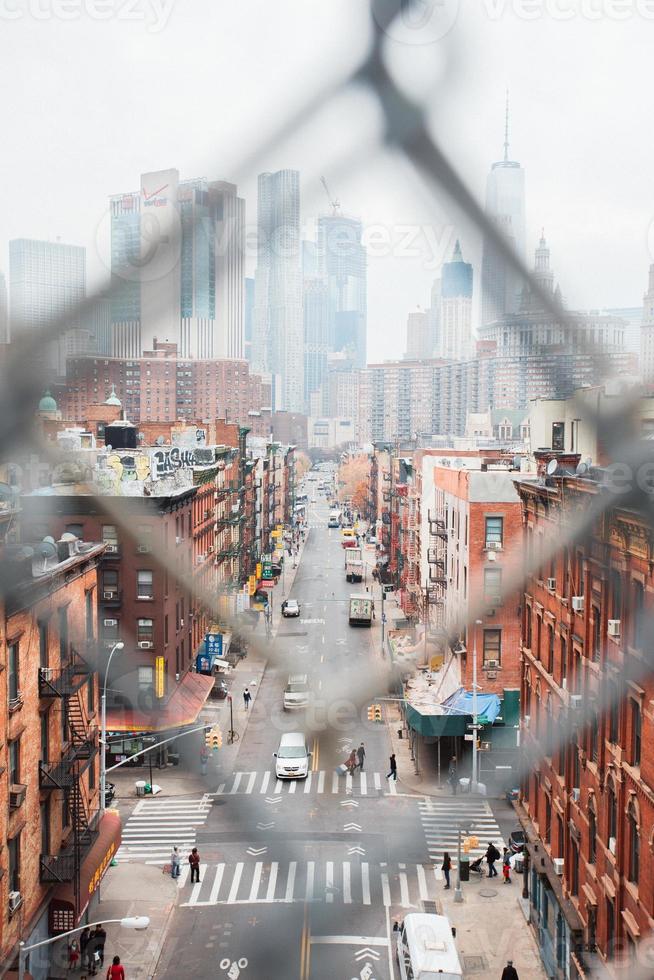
<point x="335" y="203"/>
<point x="506" y="128"/>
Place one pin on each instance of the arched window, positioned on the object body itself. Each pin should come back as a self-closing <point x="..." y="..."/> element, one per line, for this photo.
<point x="634" y="842"/>
<point x="592" y="831"/>
<point x="612" y="814"/>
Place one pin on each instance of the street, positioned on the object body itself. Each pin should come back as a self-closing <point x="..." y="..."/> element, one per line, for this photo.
<point x="301" y="878"/>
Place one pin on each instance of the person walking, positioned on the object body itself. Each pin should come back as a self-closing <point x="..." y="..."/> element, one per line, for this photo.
<point x="452" y="777"/>
<point x="361" y="754"/>
<point x="351" y="762"/>
<point x="116" y="971"/>
<point x="175" y="868"/>
<point x="90" y="952"/>
<point x="447" y="867"/>
<point x="83" y="943"/>
<point x="506" y="866"/>
<point x="492" y="854"/>
<point x="194" y="861"/>
<point x="73" y="954"/>
<point x="393" y="768"/>
<point x="247" y="697"/>
<point x="99" y="941"/>
<point x="509" y="972"/>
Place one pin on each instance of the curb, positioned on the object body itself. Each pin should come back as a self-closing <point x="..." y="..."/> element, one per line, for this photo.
<point x="164" y="934"/>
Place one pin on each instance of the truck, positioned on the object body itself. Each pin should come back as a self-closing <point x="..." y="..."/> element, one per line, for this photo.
<point x="353" y="568"/>
<point x="361" y="607"/>
<point x="334" y="518"/>
<point x="352" y="554"/>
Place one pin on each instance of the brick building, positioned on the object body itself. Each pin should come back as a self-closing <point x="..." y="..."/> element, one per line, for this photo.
<point x="55" y="844"/>
<point x="587" y="798"/>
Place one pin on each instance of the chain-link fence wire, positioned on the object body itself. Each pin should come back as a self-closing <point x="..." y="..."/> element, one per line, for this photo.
<point x="408" y="132"/>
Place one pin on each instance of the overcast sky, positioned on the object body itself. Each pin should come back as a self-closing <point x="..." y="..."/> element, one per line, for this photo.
<point x="88" y="104"/>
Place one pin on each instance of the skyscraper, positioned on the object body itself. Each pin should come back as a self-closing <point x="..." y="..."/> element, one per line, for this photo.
<point x="278" y="341"/>
<point x="505" y="207"/>
<point x="177" y="267"/>
<point x="4" y="310"/>
<point x="47" y="280"/>
<point x="418" y="336"/>
<point x="343" y="265"/>
<point x="456" y="307"/>
<point x="248" y="318"/>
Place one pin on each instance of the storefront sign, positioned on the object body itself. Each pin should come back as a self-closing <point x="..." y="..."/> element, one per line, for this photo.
<point x="213" y="644"/>
<point x="159" y="676"/>
<point x="252" y="584"/>
<point x="267" y="572"/>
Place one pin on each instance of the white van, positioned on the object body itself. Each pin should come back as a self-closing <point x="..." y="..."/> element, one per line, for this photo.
<point x="296" y="692"/>
<point x="292" y="757"/>
<point x="426" y="950"/>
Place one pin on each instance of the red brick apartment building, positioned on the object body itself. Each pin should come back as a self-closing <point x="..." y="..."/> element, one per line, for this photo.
<point x="54" y="847"/>
<point x="587" y="801"/>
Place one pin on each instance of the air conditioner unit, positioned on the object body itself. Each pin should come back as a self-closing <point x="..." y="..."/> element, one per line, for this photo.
<point x="614" y="627"/>
<point x="178" y="539"/>
<point x="145" y="644"/>
<point x="210" y="549"/>
<point x="491" y="674"/>
<point x="143" y="549"/>
<point x="15" y="900"/>
<point x="557" y="864"/>
<point x="109" y="595"/>
<point x="491" y="664"/>
<point x="575" y="794"/>
<point x="575" y="700"/>
<point x="578" y="603"/>
<point x="181" y="624"/>
<point x="16" y="796"/>
<point x="551" y="584"/>
<point x="199" y="559"/>
<point x="612" y="845"/>
<point x="46" y="673"/>
<point x="111" y="549"/>
<point x="110" y="622"/>
<point x="493" y="546"/>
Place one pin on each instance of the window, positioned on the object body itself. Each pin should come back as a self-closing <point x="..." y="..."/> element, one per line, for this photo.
<point x="636" y="730"/>
<point x="592" y="835"/>
<point x="110" y="537"/>
<point x="45" y="737"/>
<point x="145" y="630"/>
<point x="547" y="836"/>
<point x="492" y="646"/>
<point x="528" y="615"/>
<point x="550" y="648"/>
<point x="90" y="694"/>
<point x="558" y="436"/>
<point x="63" y="634"/>
<point x="14" y="762"/>
<point x="616" y="595"/>
<point x="614" y="713"/>
<point x="43" y="644"/>
<point x="539" y="631"/>
<point x="634" y="843"/>
<point x="13" y="848"/>
<point x="597" y="635"/>
<point x="638" y="609"/>
<point x="494" y="532"/>
<point x="146" y="680"/>
<point x="109" y="582"/>
<point x="45" y="827"/>
<point x="88" y="609"/>
<point x="166" y="629"/>
<point x="144" y="589"/>
<point x="610" y="928"/>
<point x="13" y="680"/>
<point x="574" y="871"/>
<point x="564" y="659"/>
<point x="612" y="808"/>
<point x="493" y="584"/>
<point x="76" y="529"/>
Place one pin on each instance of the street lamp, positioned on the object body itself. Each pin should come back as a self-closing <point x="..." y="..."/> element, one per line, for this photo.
<point x="103" y="728"/>
<point x="138" y="922"/>
<point x="475" y="757"/>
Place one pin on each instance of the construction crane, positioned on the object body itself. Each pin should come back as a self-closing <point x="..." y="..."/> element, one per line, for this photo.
<point x="335" y="203"/>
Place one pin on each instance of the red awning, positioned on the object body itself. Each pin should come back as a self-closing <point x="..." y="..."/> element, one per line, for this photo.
<point x="62" y="910"/>
<point x="182" y="708"/>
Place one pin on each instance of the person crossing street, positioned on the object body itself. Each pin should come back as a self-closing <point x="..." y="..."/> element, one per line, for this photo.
<point x="361" y="754"/>
<point x="393" y="768"/>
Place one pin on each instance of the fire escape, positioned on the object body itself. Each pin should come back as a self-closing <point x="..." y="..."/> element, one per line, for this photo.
<point x="78" y="753"/>
<point x="437" y="561"/>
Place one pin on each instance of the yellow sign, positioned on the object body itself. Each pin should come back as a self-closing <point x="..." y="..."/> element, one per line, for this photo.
<point x="259" y="569"/>
<point x="159" y="677"/>
<point x="276" y="534"/>
<point x="252" y="584"/>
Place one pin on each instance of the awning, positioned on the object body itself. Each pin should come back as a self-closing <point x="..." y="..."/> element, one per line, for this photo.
<point x="460" y="703"/>
<point x="434" y="726"/>
<point x="453" y="715"/>
<point x="182" y="708"/>
<point x="61" y="912"/>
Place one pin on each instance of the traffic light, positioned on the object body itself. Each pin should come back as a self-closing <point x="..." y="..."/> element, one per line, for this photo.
<point x="371" y="713"/>
<point x="216" y="738"/>
<point x="207" y="737"/>
<point x="375" y="712"/>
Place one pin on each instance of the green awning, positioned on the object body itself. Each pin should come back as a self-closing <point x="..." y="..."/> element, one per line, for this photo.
<point x="436" y="725"/>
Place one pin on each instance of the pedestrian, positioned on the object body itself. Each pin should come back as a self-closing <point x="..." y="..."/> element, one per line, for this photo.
<point x="509" y="972"/>
<point x="73" y="954"/>
<point x="447" y="867"/>
<point x="115" y="971"/>
<point x="174" y="864"/>
<point x="100" y="940"/>
<point x="492" y="854"/>
<point x="351" y="762"/>
<point x="393" y="768"/>
<point x="194" y="861"/>
<point x="452" y="777"/>
<point x="506" y="866"/>
<point x="361" y="754"/>
<point x="83" y="943"/>
<point x="247" y="697"/>
<point x="90" y="952"/>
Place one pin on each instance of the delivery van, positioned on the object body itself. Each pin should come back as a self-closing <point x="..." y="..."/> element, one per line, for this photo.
<point x="426" y="949"/>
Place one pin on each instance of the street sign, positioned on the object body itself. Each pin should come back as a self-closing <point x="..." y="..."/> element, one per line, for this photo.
<point x="266" y="571"/>
<point x="468" y="738"/>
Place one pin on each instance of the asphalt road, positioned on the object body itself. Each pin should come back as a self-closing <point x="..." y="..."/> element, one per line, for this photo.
<point x="305" y="879"/>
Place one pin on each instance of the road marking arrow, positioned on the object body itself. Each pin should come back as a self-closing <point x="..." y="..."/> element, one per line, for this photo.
<point x="273" y="799"/>
<point x="356" y="850"/>
<point x="349" y="803"/>
<point x="341" y="643"/>
<point x="352" y="826"/>
<point x="265" y="826"/>
<point x="367" y="952"/>
<point x="256" y="851"/>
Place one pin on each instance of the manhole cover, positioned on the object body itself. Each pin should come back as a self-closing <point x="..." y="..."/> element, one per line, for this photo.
<point x="474" y="964"/>
<point x="487" y="893"/>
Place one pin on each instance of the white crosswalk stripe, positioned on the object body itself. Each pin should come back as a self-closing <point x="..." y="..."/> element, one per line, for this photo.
<point x="441" y="816"/>
<point x="331" y="882"/>
<point x="331" y="783"/>
<point x="156" y="826"/>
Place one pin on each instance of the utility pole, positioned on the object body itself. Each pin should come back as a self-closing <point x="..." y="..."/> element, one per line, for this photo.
<point x="475" y="727"/>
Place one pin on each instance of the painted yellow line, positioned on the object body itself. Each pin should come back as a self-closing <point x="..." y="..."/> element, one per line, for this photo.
<point x="305" y="947"/>
<point x="315" y="758"/>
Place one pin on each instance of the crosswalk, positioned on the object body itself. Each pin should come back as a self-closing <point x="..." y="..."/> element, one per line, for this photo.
<point x="329" y="882"/>
<point x="156" y="826"/>
<point x="323" y="782"/>
<point x="440" y="818"/>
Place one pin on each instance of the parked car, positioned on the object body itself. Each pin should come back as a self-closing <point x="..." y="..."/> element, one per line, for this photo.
<point x="517" y="841"/>
<point x="290" y="607"/>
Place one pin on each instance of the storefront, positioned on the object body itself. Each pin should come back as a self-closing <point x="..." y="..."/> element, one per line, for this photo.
<point x="554" y="919"/>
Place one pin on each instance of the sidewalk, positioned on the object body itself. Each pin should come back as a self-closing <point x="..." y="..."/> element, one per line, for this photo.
<point x="139" y="951"/>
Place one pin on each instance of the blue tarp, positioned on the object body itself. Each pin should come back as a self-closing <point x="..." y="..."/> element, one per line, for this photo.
<point x="460" y="703"/>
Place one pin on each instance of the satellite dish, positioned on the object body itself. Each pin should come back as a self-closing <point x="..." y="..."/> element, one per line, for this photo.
<point x="582" y="469"/>
<point x="45" y="550"/>
<point x="552" y="467"/>
<point x="68" y="536"/>
<point x="48" y="539"/>
<point x="159" y="441"/>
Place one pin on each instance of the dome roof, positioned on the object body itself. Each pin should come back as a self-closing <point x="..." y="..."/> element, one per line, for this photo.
<point x="47" y="403"/>
<point x="113" y="398"/>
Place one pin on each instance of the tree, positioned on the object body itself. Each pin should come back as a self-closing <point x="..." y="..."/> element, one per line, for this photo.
<point x="351" y="475"/>
<point x="360" y="495"/>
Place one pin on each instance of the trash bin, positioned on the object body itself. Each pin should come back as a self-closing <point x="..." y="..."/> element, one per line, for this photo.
<point x="140" y="787"/>
<point x="465" y="868"/>
<point x="400" y="733"/>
